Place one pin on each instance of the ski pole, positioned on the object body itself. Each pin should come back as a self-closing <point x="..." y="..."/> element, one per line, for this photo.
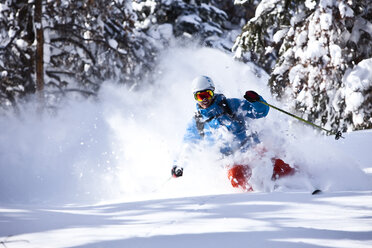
<point x="162" y="185"/>
<point x="337" y="134"/>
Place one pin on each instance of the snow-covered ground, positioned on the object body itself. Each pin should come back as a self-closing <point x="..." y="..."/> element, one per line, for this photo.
<point x="337" y="219"/>
<point x="97" y="173"/>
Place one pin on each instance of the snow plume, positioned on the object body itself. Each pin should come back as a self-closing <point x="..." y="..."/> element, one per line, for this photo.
<point x="122" y="145"/>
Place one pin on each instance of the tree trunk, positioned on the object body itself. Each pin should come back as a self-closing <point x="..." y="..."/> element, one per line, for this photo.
<point x="39" y="58"/>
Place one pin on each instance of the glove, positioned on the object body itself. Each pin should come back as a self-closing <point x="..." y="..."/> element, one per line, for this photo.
<point x="251" y="96"/>
<point x="177" y="171"/>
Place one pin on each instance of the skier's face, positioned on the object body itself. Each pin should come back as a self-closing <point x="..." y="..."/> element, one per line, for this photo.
<point x="204" y="98"/>
<point x="205" y="103"/>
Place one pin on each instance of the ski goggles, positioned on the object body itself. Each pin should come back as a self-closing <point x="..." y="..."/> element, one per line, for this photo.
<point x="201" y="95"/>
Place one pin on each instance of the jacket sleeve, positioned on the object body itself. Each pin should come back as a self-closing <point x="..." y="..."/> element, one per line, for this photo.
<point x="192" y="134"/>
<point x="258" y="110"/>
<point x="252" y="110"/>
<point x="190" y="140"/>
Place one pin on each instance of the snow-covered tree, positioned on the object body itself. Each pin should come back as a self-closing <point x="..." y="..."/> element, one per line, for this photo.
<point x="357" y="93"/>
<point x="213" y="23"/>
<point x="317" y="47"/>
<point x="85" y="43"/>
<point x="261" y="37"/>
<point x="88" y="42"/>
<point x="16" y="51"/>
<point x="93" y="41"/>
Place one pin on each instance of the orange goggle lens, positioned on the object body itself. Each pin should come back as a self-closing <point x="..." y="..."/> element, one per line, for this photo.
<point x="201" y="95"/>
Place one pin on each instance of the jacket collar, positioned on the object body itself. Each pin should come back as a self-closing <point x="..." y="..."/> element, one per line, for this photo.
<point x="212" y="110"/>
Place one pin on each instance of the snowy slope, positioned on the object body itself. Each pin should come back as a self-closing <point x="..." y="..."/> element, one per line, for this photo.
<point x="338" y="219"/>
<point x="271" y="219"/>
<point x="97" y="173"/>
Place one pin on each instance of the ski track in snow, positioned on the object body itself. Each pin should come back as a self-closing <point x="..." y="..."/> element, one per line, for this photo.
<point x="100" y="175"/>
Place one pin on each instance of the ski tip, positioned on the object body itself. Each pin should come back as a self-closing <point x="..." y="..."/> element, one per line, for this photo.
<point x="316" y="192"/>
<point x="338" y="135"/>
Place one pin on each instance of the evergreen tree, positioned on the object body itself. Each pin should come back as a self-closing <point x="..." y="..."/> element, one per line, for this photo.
<point x="261" y="37"/>
<point x="88" y="42"/>
<point x="93" y="41"/>
<point x="16" y="51"/>
<point x="317" y="47"/>
<point x="85" y="43"/>
<point x="211" y="22"/>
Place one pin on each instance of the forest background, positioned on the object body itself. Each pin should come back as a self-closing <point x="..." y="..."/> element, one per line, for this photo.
<point x="317" y="53"/>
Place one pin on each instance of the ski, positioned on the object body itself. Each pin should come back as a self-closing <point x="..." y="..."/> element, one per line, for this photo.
<point x="317" y="192"/>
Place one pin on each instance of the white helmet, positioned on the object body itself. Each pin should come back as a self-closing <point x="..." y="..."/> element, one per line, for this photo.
<point x="202" y="83"/>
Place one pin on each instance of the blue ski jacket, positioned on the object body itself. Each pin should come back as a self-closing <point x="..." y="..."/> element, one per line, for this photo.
<point x="224" y="123"/>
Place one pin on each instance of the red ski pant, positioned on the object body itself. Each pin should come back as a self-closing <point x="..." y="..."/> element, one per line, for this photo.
<point x="239" y="175"/>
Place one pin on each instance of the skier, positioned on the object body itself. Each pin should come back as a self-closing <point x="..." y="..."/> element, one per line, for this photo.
<point x="216" y="117"/>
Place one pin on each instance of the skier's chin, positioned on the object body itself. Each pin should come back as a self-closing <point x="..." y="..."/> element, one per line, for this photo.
<point x="205" y="103"/>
